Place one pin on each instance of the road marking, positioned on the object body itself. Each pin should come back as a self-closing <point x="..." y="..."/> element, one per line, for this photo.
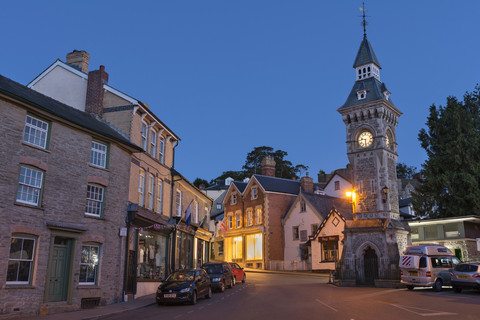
<point x="178" y="316"/>
<point x="201" y="308"/>
<point x="374" y="294"/>
<point x="326" y="305"/>
<point x="429" y="313"/>
<point x="190" y="311"/>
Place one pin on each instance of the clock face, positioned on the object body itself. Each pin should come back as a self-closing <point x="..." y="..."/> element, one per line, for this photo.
<point x="365" y="139"/>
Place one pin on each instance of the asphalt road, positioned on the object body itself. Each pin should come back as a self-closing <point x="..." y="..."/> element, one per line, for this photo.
<point x="278" y="296"/>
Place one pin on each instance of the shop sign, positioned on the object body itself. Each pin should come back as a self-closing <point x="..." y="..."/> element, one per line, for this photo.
<point x="328" y="238"/>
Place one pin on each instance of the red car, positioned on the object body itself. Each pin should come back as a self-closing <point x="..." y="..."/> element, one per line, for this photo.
<point x="238" y="272"/>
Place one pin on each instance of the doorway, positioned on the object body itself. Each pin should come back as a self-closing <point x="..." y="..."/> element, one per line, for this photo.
<point x="59" y="270"/>
<point x="370" y="266"/>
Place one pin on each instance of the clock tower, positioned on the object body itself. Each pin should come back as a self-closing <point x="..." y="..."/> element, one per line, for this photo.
<point x="376" y="236"/>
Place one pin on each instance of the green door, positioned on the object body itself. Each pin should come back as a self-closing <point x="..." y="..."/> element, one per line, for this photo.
<point x="59" y="270"/>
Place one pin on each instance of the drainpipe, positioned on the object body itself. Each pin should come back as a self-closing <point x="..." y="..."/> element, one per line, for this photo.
<point x="131" y="209"/>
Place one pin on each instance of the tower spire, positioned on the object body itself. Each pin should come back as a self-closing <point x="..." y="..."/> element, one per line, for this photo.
<point x="364" y="21"/>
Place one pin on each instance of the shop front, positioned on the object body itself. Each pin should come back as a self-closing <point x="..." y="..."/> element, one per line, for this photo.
<point x="245" y="249"/>
<point x="192" y="245"/>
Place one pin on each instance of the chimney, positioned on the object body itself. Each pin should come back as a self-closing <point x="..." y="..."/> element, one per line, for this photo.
<point x="79" y="60"/>
<point x="307" y="184"/>
<point x="94" y="101"/>
<point x="268" y="166"/>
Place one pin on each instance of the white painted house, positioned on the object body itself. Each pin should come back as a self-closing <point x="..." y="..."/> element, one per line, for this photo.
<point x="301" y="223"/>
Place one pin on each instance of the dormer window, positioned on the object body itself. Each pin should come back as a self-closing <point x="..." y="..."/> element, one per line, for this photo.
<point x="368" y="71"/>
<point x="386" y="94"/>
<point x="361" y="94"/>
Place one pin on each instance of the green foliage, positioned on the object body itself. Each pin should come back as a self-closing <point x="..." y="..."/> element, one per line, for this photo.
<point x="451" y="173"/>
<point x="235" y="175"/>
<point x="283" y="168"/>
<point x="405" y="172"/>
<point x="200" y="181"/>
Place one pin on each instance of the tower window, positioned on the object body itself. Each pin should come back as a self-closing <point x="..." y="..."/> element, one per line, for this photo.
<point x="361" y="94"/>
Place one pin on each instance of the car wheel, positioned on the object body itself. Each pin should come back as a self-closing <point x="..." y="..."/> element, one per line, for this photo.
<point x="437" y="286"/>
<point x="194" y="298"/>
<point x="457" y="289"/>
<point x="209" y="294"/>
<point x="410" y="287"/>
<point x="244" y="278"/>
<point x="222" y="286"/>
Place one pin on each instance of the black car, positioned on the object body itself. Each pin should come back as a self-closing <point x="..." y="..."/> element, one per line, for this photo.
<point x="184" y="286"/>
<point x="221" y="275"/>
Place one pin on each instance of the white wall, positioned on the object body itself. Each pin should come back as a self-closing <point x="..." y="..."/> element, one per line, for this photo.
<point x="292" y="257"/>
<point x="328" y="230"/>
<point x="64" y="86"/>
<point x="344" y="187"/>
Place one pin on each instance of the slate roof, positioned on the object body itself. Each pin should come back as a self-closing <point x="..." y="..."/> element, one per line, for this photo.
<point x="273" y="184"/>
<point x="374" y="90"/>
<point x="54" y="107"/>
<point x="365" y="54"/>
<point x="219" y="200"/>
<point x="404" y="202"/>
<point x="324" y="203"/>
<point x="240" y="185"/>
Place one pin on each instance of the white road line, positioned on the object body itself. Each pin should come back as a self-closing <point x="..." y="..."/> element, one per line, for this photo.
<point x="374" y="294"/>
<point x="201" y="308"/>
<point x="326" y="305"/>
<point x="178" y="316"/>
<point x="190" y="311"/>
<point x="428" y="313"/>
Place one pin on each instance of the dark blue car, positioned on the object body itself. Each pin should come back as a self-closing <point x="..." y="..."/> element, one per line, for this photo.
<point x="184" y="286"/>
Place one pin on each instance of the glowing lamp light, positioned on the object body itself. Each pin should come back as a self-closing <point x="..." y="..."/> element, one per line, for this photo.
<point x="348" y="193"/>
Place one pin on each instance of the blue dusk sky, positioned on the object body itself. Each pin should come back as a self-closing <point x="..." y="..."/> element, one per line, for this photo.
<point x="227" y="76"/>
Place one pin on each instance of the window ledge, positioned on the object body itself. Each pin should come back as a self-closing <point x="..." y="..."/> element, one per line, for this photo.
<point x="93" y="217"/>
<point x="19" y="286"/>
<point x="31" y="206"/>
<point x="88" y="286"/>
<point x="98" y="167"/>
<point x="35" y="147"/>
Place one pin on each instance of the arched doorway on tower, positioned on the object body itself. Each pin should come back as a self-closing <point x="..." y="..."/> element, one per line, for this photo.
<point x="370" y="267"/>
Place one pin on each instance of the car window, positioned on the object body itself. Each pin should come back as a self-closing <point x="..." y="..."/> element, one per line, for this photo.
<point x="213" y="268"/>
<point x="455" y="261"/>
<point x="441" y="262"/>
<point x="181" y="276"/>
<point x="234" y="266"/>
<point x="423" y="262"/>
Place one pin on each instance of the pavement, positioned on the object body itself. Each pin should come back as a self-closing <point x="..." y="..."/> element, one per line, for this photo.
<point x="141" y="302"/>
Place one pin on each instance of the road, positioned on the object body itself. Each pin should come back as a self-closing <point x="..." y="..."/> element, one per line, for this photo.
<point x="268" y="296"/>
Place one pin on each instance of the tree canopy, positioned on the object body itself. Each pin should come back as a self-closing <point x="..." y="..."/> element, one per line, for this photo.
<point x="405" y="172"/>
<point x="451" y="172"/>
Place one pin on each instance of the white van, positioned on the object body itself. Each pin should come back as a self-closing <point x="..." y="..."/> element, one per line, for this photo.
<point x="427" y="266"/>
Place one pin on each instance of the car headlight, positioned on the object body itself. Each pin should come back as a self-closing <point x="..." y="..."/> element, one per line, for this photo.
<point x="185" y="290"/>
<point x="216" y="279"/>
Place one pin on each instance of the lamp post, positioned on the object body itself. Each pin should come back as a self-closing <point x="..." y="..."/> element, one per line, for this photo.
<point x="385" y="194"/>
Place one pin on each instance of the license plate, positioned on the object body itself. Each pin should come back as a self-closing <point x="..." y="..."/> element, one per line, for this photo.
<point x="463" y="277"/>
<point x="413" y="273"/>
<point x="170" y="295"/>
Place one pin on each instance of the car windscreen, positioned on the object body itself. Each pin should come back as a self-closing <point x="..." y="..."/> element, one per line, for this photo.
<point x="181" y="276"/>
<point x="213" y="268"/>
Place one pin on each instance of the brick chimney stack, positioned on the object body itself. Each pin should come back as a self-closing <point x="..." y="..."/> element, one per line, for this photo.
<point x="94" y="101"/>
<point x="307" y="184"/>
<point x="79" y="60"/>
<point x="268" y="166"/>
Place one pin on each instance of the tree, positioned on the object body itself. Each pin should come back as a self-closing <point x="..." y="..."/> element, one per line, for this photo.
<point x="199" y="182"/>
<point x="235" y="175"/>
<point x="405" y="172"/>
<point x="451" y="172"/>
<point x="283" y="168"/>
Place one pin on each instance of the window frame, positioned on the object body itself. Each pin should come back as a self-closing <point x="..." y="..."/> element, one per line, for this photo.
<point x="161" y="149"/>
<point x="153" y="142"/>
<point x="249" y="217"/>
<point x="141" y="187"/>
<point x="41" y="130"/>
<point x="149" y="203"/>
<point x="254" y="193"/>
<point x="30" y="186"/>
<point x="96" y="201"/>
<point x="159" y="196"/>
<point x="178" y="203"/>
<point x="31" y="261"/>
<point x="96" y="266"/>
<point x="336" y="185"/>
<point x="230" y="222"/>
<point x="144" y="136"/>
<point x="329" y="254"/>
<point x="233" y="199"/>
<point x="258" y="215"/>
<point x="295" y="233"/>
<point x="103" y="155"/>
<point x="238" y="220"/>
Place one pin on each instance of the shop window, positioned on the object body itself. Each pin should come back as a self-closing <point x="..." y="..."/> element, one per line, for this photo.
<point x="220" y="248"/>
<point x="151" y="255"/>
<point x="237" y="247"/>
<point x="329" y="251"/>
<point x="451" y="230"/>
<point x="254" y="246"/>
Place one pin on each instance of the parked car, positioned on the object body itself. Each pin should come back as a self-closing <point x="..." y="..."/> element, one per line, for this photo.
<point x="427" y="266"/>
<point x="465" y="276"/>
<point x="238" y="272"/>
<point x="184" y="286"/>
<point x="221" y="275"/>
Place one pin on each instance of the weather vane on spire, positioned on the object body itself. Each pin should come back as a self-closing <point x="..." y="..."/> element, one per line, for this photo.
<point x="364" y="21"/>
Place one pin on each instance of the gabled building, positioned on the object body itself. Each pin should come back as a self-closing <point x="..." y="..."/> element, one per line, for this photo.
<point x="301" y="223"/>
<point x="339" y="183"/>
<point x="64" y="194"/>
<point x="150" y="231"/>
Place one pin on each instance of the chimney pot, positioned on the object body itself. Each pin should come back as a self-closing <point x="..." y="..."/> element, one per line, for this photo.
<point x="268" y="166"/>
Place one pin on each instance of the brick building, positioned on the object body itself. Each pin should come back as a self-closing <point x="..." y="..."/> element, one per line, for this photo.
<point x="63" y="200"/>
<point x="151" y="233"/>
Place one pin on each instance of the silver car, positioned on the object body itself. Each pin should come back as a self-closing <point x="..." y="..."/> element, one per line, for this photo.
<point x="465" y="276"/>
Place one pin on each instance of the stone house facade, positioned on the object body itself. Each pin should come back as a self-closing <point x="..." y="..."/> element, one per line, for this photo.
<point x="63" y="199"/>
